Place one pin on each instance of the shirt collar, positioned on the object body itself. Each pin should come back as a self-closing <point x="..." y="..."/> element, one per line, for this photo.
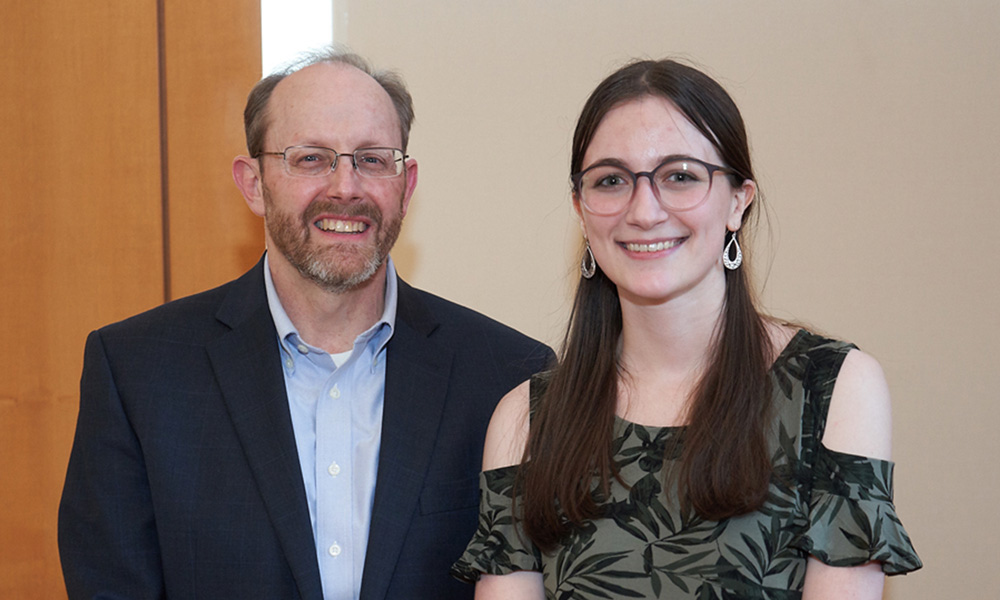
<point x="381" y="330"/>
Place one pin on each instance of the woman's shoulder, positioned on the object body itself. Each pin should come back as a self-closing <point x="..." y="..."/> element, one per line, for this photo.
<point x="781" y="335"/>
<point x="508" y="430"/>
<point x="795" y="346"/>
<point x="844" y="383"/>
<point x="859" y="420"/>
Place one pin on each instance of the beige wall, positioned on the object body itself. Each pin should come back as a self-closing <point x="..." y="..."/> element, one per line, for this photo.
<point x="875" y="128"/>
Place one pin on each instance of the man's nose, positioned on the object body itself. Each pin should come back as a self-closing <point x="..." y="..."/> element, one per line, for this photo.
<point x="343" y="181"/>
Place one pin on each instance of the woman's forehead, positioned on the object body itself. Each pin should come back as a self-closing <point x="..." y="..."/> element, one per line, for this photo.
<point x="646" y="129"/>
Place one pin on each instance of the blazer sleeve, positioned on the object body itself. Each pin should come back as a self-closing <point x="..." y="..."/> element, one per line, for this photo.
<point x="107" y="532"/>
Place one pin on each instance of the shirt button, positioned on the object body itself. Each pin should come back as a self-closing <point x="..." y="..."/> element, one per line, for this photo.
<point x="303" y="349"/>
<point x="334" y="550"/>
<point x="289" y="363"/>
<point x="335" y="392"/>
<point x="333" y="469"/>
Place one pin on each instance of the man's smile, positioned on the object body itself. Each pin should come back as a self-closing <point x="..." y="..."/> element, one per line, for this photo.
<point x="341" y="226"/>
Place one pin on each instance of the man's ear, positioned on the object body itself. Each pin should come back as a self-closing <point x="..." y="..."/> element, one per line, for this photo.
<point x="246" y="174"/>
<point x="411" y="183"/>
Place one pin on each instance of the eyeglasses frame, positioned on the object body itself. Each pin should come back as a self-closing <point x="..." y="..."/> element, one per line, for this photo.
<point x="577" y="178"/>
<point x="336" y="160"/>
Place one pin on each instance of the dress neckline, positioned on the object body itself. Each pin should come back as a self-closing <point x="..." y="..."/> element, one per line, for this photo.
<point x="790" y="347"/>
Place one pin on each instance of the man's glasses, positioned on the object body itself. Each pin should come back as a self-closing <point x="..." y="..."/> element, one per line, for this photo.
<point x="679" y="183"/>
<point x="316" y="161"/>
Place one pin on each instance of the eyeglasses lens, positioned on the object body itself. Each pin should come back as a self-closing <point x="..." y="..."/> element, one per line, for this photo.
<point x="309" y="161"/>
<point x="680" y="184"/>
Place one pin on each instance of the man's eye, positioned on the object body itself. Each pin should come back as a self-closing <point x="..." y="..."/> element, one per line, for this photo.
<point x="307" y="159"/>
<point x="372" y="159"/>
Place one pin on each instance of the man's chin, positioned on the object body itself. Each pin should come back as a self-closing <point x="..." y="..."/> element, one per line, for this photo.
<point x="339" y="280"/>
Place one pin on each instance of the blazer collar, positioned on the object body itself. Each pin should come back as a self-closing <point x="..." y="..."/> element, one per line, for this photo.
<point x="247" y="365"/>
<point x="416" y="386"/>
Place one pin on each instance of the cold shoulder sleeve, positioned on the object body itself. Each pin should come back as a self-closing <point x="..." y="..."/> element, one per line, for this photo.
<point x="852" y="519"/>
<point x="498" y="546"/>
<point x="846" y="515"/>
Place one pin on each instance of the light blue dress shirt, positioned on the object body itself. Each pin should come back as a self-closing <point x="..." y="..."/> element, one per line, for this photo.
<point x="336" y="407"/>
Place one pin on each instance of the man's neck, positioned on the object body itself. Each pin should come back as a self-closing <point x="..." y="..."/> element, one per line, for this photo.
<point x="325" y="319"/>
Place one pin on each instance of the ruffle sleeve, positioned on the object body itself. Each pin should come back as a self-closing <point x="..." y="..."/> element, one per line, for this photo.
<point x="498" y="546"/>
<point x="852" y="519"/>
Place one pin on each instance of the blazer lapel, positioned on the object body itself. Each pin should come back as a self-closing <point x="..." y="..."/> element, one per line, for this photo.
<point x="416" y="383"/>
<point x="248" y="366"/>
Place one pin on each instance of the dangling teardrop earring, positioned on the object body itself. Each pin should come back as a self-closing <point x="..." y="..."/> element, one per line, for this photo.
<point x="732" y="263"/>
<point x="588" y="265"/>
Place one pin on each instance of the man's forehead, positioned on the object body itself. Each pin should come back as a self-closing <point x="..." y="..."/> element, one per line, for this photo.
<point x="327" y="82"/>
<point x="339" y="90"/>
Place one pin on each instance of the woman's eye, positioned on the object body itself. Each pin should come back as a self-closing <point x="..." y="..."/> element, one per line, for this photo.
<point x="679" y="177"/>
<point x="612" y="180"/>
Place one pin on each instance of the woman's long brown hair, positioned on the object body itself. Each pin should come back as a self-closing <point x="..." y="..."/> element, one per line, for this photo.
<point x="724" y="467"/>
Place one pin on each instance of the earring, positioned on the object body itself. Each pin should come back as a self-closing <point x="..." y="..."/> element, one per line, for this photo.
<point x="732" y="263"/>
<point x="588" y="266"/>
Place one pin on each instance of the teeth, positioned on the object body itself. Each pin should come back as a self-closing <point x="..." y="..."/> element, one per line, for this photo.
<point x="338" y="226"/>
<point x="633" y="247"/>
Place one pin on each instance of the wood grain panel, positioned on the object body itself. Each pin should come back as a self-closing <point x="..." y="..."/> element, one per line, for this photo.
<point x="212" y="52"/>
<point x="80" y="237"/>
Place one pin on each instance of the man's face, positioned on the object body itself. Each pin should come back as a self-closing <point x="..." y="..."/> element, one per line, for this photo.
<point x="335" y="230"/>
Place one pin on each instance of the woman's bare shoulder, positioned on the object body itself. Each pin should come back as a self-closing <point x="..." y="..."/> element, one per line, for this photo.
<point x="508" y="430"/>
<point x="860" y="416"/>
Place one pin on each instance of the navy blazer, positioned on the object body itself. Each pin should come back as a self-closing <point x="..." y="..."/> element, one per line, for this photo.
<point x="184" y="479"/>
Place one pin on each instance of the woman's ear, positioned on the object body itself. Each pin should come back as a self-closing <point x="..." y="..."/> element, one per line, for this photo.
<point x="579" y="213"/>
<point x="742" y="197"/>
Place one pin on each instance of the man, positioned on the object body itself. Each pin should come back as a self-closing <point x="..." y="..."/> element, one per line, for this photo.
<point x="313" y="429"/>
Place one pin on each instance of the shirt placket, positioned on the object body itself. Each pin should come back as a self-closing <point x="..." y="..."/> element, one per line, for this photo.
<point x="334" y="481"/>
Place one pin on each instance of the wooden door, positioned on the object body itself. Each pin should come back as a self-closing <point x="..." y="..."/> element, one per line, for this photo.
<point x="118" y="119"/>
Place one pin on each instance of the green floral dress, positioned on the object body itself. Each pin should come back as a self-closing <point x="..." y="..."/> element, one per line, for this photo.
<point x="834" y="506"/>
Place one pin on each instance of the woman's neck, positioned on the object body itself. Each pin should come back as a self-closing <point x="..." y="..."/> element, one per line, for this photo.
<point x="673" y="335"/>
<point x="664" y="351"/>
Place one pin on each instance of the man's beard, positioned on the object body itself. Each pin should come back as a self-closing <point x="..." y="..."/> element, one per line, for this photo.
<point x="337" y="268"/>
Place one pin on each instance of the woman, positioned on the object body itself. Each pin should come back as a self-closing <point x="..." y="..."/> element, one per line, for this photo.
<point x="686" y="446"/>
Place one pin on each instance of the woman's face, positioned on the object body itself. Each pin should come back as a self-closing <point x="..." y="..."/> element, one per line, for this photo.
<point x="652" y="253"/>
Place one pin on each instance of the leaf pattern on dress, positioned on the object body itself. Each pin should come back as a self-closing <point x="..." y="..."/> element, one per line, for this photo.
<point x="837" y="507"/>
